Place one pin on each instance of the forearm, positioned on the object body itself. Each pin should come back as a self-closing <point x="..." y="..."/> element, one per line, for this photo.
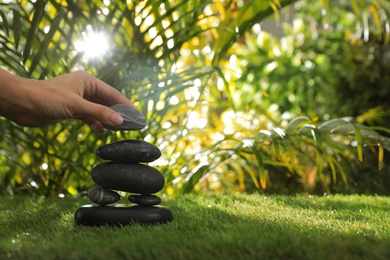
<point x="13" y="95"/>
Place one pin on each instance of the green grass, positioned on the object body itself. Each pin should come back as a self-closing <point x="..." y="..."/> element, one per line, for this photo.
<point x="205" y="227"/>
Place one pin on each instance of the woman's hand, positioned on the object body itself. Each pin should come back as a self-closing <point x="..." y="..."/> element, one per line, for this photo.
<point x="77" y="95"/>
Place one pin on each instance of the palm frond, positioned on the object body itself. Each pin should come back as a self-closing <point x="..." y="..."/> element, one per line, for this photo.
<point x="303" y="146"/>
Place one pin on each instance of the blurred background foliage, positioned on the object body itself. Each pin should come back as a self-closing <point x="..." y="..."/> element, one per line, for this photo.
<point x="234" y="106"/>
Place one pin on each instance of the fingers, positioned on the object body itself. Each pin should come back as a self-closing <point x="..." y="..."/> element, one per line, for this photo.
<point x="100" y="92"/>
<point x="88" y="99"/>
<point x="100" y="113"/>
<point x="98" y="95"/>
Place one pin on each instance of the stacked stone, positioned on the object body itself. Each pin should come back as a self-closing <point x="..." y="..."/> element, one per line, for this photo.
<point x="125" y="171"/>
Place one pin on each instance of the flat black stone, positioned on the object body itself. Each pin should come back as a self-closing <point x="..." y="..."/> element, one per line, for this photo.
<point x="129" y="151"/>
<point x="145" y="200"/>
<point x="119" y="214"/>
<point x="133" y="119"/>
<point x="134" y="178"/>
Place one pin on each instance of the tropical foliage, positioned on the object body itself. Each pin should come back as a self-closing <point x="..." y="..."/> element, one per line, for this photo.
<point x="225" y="101"/>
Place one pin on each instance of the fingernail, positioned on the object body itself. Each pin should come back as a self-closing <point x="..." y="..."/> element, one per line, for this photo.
<point x="117" y="119"/>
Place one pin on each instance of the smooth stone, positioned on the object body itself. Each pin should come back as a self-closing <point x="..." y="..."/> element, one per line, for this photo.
<point x="133" y="119"/>
<point x="145" y="200"/>
<point x="119" y="214"/>
<point x="129" y="151"/>
<point x="102" y="196"/>
<point x="134" y="178"/>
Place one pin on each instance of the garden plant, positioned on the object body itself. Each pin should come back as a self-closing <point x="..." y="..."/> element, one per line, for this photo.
<point x="232" y="107"/>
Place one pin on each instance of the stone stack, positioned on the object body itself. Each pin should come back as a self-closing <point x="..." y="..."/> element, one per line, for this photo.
<point x="125" y="170"/>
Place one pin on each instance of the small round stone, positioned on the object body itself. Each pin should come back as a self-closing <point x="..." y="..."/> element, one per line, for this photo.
<point x="145" y="200"/>
<point x="134" y="178"/>
<point x="102" y="196"/>
<point x="133" y="119"/>
<point x="129" y="151"/>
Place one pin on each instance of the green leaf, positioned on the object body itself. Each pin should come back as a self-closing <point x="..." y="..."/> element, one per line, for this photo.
<point x="260" y="164"/>
<point x="319" y="155"/>
<point x="193" y="178"/>
<point x="306" y="129"/>
<point x="240" y="174"/>
<point x="356" y="8"/>
<point x="346" y="129"/>
<point x="332" y="168"/>
<point x="250" y="170"/>
<point x="277" y="134"/>
<point x="231" y="29"/>
<point x="226" y="85"/>
<point x="16" y="27"/>
<point x="380" y="156"/>
<point x="296" y="123"/>
<point x="339" y="168"/>
<point x="329" y="125"/>
<point x="46" y="41"/>
<point x="359" y="142"/>
<point x="39" y="8"/>
<point x="380" y="128"/>
<point x="5" y="24"/>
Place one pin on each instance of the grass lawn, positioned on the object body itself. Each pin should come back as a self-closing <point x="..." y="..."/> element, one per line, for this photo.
<point x="205" y="227"/>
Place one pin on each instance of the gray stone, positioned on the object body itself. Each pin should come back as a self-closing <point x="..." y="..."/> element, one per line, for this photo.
<point x="102" y="196"/>
<point x="129" y="151"/>
<point x="134" y="178"/>
<point x="119" y="215"/>
<point x="133" y="119"/>
<point x="145" y="200"/>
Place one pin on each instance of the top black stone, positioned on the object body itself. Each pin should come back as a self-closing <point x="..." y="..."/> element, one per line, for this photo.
<point x="129" y="151"/>
<point x="133" y="119"/>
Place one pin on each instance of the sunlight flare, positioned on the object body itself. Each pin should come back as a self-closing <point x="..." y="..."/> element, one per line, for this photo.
<point x="93" y="45"/>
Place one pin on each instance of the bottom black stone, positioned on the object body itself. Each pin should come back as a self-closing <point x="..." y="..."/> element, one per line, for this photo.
<point x="119" y="214"/>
